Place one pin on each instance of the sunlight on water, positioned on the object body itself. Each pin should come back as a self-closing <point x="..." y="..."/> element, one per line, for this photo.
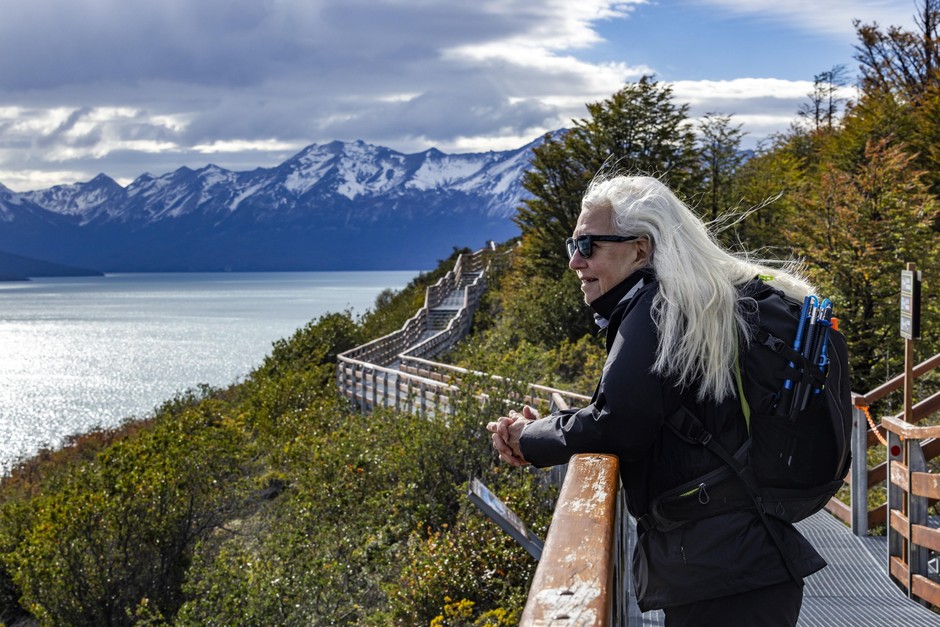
<point x="80" y="353"/>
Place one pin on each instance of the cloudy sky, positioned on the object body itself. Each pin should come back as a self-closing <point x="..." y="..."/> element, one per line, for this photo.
<point x="126" y="87"/>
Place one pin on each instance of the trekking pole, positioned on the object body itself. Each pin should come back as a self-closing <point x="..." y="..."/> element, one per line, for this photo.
<point x="786" y="396"/>
<point x="810" y="304"/>
<point x="821" y="354"/>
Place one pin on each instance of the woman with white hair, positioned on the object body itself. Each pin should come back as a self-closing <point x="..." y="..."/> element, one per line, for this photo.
<point x="670" y="298"/>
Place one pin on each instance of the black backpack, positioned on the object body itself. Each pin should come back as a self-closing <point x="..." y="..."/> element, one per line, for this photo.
<point x="799" y="413"/>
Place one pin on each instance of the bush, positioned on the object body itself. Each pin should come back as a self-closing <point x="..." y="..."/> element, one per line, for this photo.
<point x="122" y="529"/>
<point x="473" y="560"/>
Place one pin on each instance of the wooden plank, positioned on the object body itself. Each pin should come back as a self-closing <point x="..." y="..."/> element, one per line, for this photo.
<point x="925" y="589"/>
<point x="926" y="407"/>
<point x="898" y="570"/>
<point x="840" y="510"/>
<point x="877" y="516"/>
<point x="877" y="474"/>
<point x="925" y="484"/>
<point x="895" y="384"/>
<point x="899" y="523"/>
<point x="574" y="578"/>
<point x="931" y="448"/>
<point x="909" y="431"/>
<point x="926" y="537"/>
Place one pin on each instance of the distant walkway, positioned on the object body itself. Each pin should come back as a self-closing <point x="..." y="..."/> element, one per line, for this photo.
<point x="396" y="370"/>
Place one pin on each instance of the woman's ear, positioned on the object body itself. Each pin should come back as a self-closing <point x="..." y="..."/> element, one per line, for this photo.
<point x="644" y="250"/>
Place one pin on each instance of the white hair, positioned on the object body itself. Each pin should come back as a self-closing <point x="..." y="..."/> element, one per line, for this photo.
<point x="699" y="313"/>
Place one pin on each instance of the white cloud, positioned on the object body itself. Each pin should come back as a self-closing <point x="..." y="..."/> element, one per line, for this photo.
<point x="244" y="146"/>
<point x="130" y="86"/>
<point x="761" y="106"/>
<point x="831" y="17"/>
<point x="742" y="88"/>
<point x="102" y="84"/>
<point x="27" y="180"/>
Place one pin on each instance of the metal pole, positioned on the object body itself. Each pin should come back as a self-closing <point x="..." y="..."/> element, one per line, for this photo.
<point x="859" y="485"/>
<point x="909" y="370"/>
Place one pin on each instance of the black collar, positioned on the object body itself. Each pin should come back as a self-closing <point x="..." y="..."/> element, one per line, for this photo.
<point x="605" y="304"/>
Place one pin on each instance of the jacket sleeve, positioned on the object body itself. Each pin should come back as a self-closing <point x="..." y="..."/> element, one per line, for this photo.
<point x="626" y="414"/>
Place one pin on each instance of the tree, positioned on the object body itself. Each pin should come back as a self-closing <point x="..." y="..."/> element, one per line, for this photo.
<point x="898" y="61"/>
<point x="641" y="130"/>
<point x="638" y="130"/>
<point x="720" y="145"/>
<point x="824" y="101"/>
<point x="856" y="230"/>
<point x="766" y="184"/>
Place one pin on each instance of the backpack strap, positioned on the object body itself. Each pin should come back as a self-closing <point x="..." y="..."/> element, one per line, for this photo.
<point x="689" y="428"/>
<point x="745" y="407"/>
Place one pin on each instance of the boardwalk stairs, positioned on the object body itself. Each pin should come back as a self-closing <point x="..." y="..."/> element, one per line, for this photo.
<point x="397" y="370"/>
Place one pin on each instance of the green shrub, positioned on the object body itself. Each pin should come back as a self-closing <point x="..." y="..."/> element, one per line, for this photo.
<point x="122" y="529"/>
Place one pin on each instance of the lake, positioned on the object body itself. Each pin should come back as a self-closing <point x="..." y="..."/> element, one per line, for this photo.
<point x="80" y="353"/>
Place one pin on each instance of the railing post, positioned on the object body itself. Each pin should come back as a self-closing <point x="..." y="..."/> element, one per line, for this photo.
<point x="376" y="397"/>
<point x="623" y="604"/>
<point x="859" y="487"/>
<point x="385" y="376"/>
<point x="895" y="501"/>
<point x="916" y="512"/>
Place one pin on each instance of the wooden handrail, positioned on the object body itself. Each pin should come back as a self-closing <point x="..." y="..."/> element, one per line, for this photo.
<point x="550" y="391"/>
<point x="574" y="580"/>
<point x="896" y="383"/>
<point x="908" y="431"/>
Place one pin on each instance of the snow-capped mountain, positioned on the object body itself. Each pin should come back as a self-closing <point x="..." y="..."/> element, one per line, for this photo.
<point x="332" y="206"/>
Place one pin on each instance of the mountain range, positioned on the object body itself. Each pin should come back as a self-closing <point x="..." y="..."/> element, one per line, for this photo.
<point x="336" y="206"/>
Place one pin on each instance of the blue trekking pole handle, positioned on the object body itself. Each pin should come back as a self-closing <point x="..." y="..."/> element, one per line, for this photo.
<point x="810" y="344"/>
<point x="825" y="319"/>
<point x="799" y="334"/>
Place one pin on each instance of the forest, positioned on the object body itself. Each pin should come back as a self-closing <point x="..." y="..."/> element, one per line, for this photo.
<point x="275" y="502"/>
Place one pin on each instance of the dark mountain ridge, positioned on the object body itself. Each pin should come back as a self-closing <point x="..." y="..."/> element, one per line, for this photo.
<point x="19" y="268"/>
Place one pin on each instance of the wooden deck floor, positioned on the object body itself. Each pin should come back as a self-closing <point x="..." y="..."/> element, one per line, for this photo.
<point x="852" y="591"/>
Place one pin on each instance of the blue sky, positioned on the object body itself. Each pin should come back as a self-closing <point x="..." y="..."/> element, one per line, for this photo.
<point x="708" y="41"/>
<point x="126" y="87"/>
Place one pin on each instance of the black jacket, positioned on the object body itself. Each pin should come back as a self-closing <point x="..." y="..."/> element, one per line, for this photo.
<point x="716" y="556"/>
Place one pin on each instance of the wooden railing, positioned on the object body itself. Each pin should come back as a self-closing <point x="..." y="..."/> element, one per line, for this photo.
<point x="385" y="350"/>
<point x="363" y="373"/>
<point x="574" y="581"/>
<point x="910" y="490"/>
<point x="539" y="396"/>
<point x="911" y="486"/>
<point x="863" y="479"/>
<point x="583" y="575"/>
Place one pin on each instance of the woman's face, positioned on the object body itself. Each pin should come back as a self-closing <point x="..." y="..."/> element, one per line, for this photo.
<point x="610" y="262"/>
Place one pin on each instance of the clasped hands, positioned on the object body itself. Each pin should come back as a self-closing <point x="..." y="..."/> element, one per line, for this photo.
<point x="506" y="432"/>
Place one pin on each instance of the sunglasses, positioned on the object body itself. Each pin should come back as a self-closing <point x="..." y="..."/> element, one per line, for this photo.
<point x="584" y="244"/>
